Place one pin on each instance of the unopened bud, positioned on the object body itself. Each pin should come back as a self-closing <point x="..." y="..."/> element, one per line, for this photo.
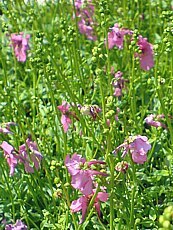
<point x="122" y="166"/>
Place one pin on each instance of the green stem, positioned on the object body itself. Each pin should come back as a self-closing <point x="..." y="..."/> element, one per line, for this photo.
<point x="132" y="215"/>
<point x="10" y="192"/>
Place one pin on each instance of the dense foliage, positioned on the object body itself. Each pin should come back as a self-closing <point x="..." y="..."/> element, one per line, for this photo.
<point x="86" y="114"/>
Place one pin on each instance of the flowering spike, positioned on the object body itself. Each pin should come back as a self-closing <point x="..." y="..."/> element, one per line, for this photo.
<point x="116" y="36"/>
<point x="65" y="119"/>
<point x="83" y="202"/>
<point x="35" y="156"/>
<point x="20" y="45"/>
<point x="153" y="120"/>
<point x="82" y="178"/>
<point x="19" y="225"/>
<point x="138" y="146"/>
<point x="10" y="157"/>
<point x="146" y="57"/>
<point x="5" y="128"/>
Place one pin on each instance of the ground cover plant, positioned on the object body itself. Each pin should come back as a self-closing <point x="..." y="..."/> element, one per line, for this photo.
<point x="86" y="105"/>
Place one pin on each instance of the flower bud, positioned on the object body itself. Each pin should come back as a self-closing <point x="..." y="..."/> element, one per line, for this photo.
<point x="166" y="224"/>
<point x="122" y="166"/>
<point x="161" y="219"/>
<point x="56" y="180"/>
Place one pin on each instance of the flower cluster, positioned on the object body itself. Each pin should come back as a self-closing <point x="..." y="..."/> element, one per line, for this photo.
<point x="67" y="114"/>
<point x="81" y="172"/>
<point x="116" y="36"/>
<point x="118" y="84"/>
<point x="83" y="179"/>
<point x="5" y="128"/>
<point x="30" y="161"/>
<point x="19" y="225"/>
<point x="85" y="12"/>
<point x="153" y="120"/>
<point x="20" y="45"/>
<point x="146" y="55"/>
<point x="35" y="156"/>
<point x="65" y="118"/>
<point x="137" y="146"/>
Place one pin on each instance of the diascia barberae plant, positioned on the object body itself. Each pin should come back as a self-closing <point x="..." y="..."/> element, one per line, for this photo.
<point x="86" y="125"/>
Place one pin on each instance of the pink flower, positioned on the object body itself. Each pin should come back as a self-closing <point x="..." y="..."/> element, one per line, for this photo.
<point x="116" y="115"/>
<point x="20" y="45"/>
<point x="101" y="196"/>
<point x="65" y="119"/>
<point x="13" y="156"/>
<point x="80" y="204"/>
<point x="5" y="128"/>
<point x="9" y="153"/>
<point x="116" y="36"/>
<point x="64" y="108"/>
<point x="19" y="225"/>
<point x="81" y="172"/>
<point x="138" y="146"/>
<point x="150" y="120"/>
<point x="34" y="157"/>
<point x="85" y="15"/>
<point x="83" y="202"/>
<point x="86" y="28"/>
<point x="78" y="4"/>
<point x="146" y="57"/>
<point x="108" y="122"/>
<point x="118" y="84"/>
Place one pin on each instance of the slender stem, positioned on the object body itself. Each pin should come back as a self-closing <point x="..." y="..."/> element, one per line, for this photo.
<point x="9" y="190"/>
<point x="131" y="222"/>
